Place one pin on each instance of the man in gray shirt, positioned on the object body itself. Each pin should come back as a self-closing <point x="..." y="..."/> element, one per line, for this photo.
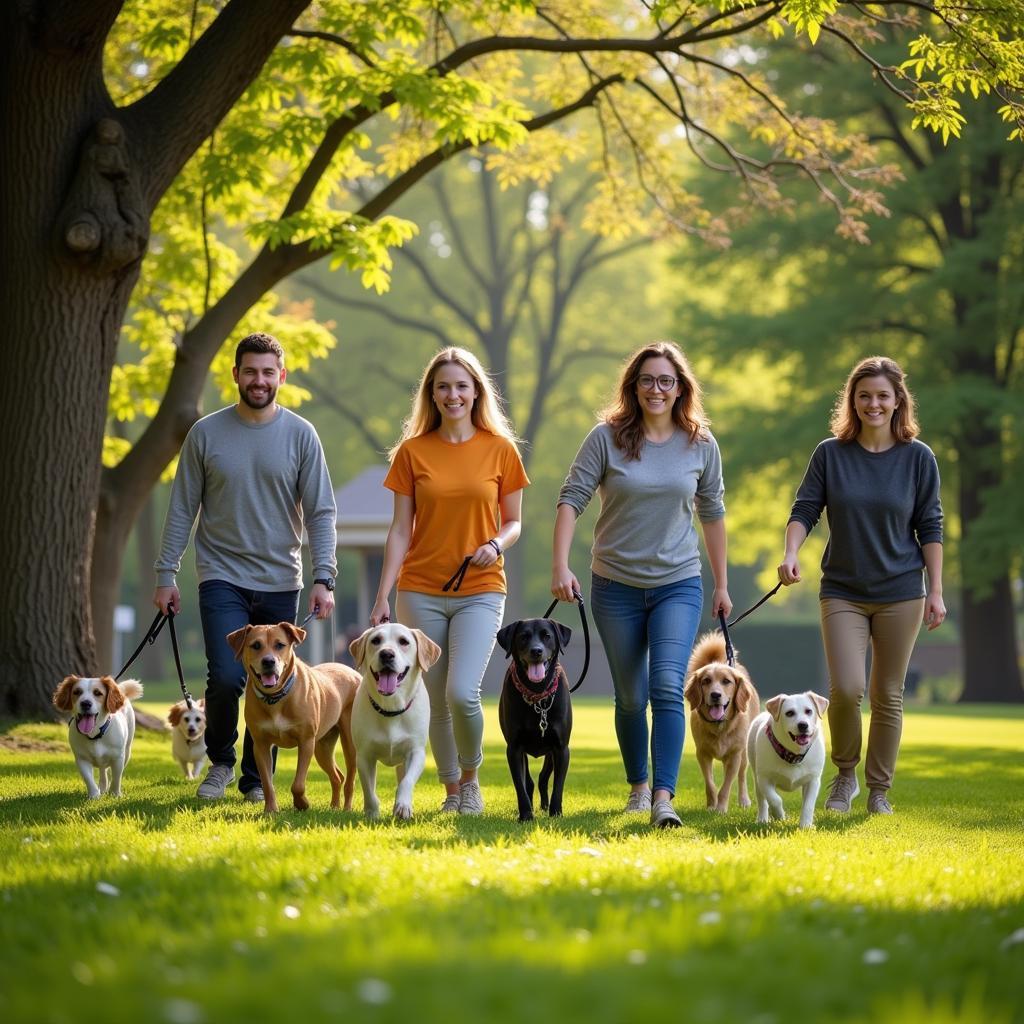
<point x="255" y="475"/>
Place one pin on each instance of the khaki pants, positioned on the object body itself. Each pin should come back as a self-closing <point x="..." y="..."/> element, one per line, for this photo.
<point x="847" y="627"/>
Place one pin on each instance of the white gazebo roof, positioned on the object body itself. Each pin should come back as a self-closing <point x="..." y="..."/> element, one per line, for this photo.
<point x="365" y="508"/>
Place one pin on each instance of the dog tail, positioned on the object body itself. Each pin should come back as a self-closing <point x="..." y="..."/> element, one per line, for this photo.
<point x="131" y="688"/>
<point x="710" y="648"/>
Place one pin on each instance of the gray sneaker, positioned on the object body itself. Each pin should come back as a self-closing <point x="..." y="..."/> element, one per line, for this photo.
<point x="663" y="815"/>
<point x="471" y="800"/>
<point x="451" y="804"/>
<point x="254" y="795"/>
<point x="843" y="789"/>
<point x="639" y="802"/>
<point x="218" y="778"/>
<point x="878" y="802"/>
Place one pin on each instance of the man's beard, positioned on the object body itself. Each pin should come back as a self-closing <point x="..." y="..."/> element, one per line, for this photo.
<point x="271" y="394"/>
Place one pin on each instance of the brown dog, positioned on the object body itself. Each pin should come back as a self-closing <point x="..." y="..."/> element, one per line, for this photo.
<point x="723" y="702"/>
<point x="291" y="704"/>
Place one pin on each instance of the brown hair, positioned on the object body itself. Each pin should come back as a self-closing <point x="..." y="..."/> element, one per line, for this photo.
<point x="845" y="424"/>
<point x="260" y="344"/>
<point x="624" y="414"/>
<point x="487" y="413"/>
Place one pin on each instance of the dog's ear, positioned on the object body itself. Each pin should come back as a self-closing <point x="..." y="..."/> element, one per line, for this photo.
<point x="694" y="692"/>
<point x="357" y="648"/>
<point x="745" y="692"/>
<point x="236" y="641"/>
<point x="427" y="652"/>
<point x="821" y="703"/>
<point x="296" y="633"/>
<point x="115" y="698"/>
<point x="62" y="695"/>
<point x="506" y="637"/>
<point x="563" y="633"/>
<point x="773" y="705"/>
<point x="174" y="715"/>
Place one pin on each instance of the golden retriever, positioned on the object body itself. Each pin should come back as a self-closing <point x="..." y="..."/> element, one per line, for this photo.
<point x="723" y="703"/>
<point x="291" y="704"/>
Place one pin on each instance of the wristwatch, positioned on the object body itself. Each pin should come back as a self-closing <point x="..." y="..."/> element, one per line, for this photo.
<point x="327" y="581"/>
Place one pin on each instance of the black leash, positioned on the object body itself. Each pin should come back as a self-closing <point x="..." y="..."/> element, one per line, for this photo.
<point x="151" y="634"/>
<point x="730" y="654"/>
<point x="460" y="574"/>
<point x="586" y="634"/>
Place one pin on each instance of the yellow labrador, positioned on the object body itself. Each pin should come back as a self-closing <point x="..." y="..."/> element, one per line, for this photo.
<point x="391" y="711"/>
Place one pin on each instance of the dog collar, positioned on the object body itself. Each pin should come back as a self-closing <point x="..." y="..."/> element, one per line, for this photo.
<point x="103" y="728"/>
<point x="390" y="714"/>
<point x="273" y="698"/>
<point x="786" y="755"/>
<point x="533" y="696"/>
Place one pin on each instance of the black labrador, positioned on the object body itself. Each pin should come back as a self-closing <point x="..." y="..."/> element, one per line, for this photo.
<point x="535" y="711"/>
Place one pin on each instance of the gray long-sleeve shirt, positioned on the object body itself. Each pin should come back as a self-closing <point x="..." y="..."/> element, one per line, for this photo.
<point x="254" y="486"/>
<point x="881" y="507"/>
<point x="645" y="534"/>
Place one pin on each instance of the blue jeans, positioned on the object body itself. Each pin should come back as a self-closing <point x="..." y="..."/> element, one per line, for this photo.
<point x="223" y="608"/>
<point x="648" y="634"/>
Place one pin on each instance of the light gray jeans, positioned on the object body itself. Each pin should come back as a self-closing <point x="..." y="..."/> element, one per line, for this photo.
<point x="464" y="628"/>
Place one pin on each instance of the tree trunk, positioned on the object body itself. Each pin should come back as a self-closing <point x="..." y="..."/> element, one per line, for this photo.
<point x="72" y="235"/>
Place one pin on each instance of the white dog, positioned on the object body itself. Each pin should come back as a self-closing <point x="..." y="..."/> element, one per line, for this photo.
<point x="188" y="743"/>
<point x="101" y="729"/>
<point x="391" y="712"/>
<point x="786" y="749"/>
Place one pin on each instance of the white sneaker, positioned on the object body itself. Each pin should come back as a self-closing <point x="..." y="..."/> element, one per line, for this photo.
<point x="451" y="803"/>
<point x="254" y="795"/>
<point x="639" y="802"/>
<point x="471" y="800"/>
<point x="218" y="778"/>
<point x="663" y="815"/>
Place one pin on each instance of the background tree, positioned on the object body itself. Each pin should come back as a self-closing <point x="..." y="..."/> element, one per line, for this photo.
<point x="940" y="288"/>
<point x="261" y="113"/>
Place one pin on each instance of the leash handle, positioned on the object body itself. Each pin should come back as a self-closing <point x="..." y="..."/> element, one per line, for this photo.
<point x="730" y="654"/>
<point x="460" y="574"/>
<point x="586" y="634"/>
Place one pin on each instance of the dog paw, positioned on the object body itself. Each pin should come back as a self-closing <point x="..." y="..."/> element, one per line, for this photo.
<point x="721" y="808"/>
<point x="744" y="801"/>
<point x="300" y="801"/>
<point x="403" y="811"/>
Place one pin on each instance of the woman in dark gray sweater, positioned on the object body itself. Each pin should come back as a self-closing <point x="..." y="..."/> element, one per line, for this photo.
<point x="879" y="487"/>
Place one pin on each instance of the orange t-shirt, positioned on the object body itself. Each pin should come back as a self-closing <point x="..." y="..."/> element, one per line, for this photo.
<point x="455" y="489"/>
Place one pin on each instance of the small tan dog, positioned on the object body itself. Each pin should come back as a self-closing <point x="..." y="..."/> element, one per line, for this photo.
<point x="187" y="739"/>
<point x="101" y="729"/>
<point x="787" y="751"/>
<point x="723" y="703"/>
<point x="291" y="704"/>
<point x="392" y="710"/>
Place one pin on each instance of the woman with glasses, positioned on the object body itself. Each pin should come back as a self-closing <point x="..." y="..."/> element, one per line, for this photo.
<point x="654" y="463"/>
<point x="458" y="484"/>
<point x="879" y="487"/>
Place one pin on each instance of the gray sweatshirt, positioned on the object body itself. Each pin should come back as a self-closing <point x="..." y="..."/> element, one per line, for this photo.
<point x="881" y="507"/>
<point x="645" y="535"/>
<point x="254" y="486"/>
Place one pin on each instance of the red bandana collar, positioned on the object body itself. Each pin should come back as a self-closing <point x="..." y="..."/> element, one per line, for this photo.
<point x="783" y="752"/>
<point x="533" y="696"/>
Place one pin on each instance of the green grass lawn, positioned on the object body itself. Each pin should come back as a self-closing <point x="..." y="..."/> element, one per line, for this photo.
<point x="158" y="907"/>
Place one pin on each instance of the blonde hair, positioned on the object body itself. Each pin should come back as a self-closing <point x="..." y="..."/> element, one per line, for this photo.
<point x="488" y="408"/>
<point x="625" y="416"/>
<point x="845" y="424"/>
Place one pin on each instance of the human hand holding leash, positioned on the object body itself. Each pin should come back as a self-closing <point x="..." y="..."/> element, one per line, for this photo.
<point x="321" y="601"/>
<point x="721" y="602"/>
<point x="789" y="570"/>
<point x="380" y="612"/>
<point x="564" y="584"/>
<point x="167" y="599"/>
<point x="487" y="554"/>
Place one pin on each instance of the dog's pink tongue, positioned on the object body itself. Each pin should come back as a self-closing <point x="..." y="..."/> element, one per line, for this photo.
<point x="387" y="683"/>
<point x="535" y="672"/>
<point x="269" y="680"/>
<point x="86" y="724"/>
<point x="716" y="712"/>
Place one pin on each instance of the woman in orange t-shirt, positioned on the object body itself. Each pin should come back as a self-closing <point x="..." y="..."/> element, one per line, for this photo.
<point x="458" y="482"/>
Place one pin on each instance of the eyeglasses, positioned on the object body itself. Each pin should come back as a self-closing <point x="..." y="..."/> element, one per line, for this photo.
<point x="665" y="383"/>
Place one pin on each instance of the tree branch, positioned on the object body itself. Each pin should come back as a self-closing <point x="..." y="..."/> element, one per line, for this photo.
<point x="168" y="124"/>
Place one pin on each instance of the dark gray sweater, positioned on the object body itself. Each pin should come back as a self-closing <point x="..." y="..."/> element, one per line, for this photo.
<point x="881" y="507"/>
